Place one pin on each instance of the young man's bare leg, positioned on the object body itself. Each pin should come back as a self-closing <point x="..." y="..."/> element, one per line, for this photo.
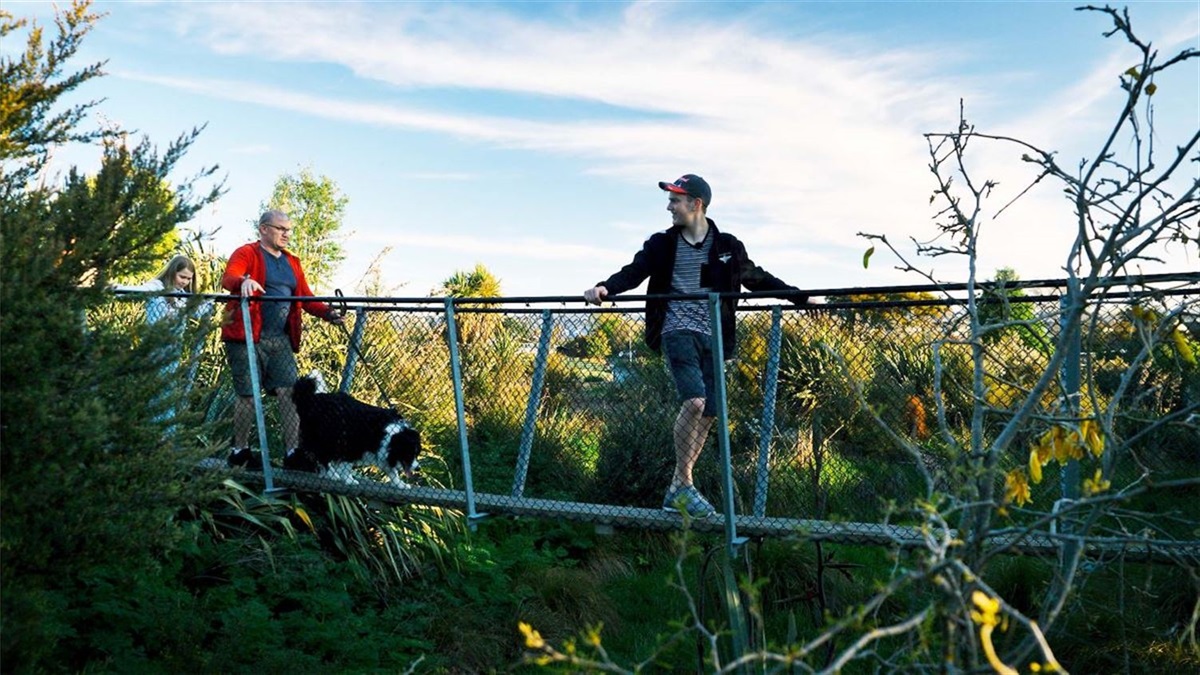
<point x="690" y="431"/>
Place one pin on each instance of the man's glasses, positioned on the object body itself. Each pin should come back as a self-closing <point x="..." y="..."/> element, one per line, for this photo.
<point x="285" y="230"/>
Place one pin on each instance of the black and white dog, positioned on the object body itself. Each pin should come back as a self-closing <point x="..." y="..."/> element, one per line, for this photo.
<point x="338" y="432"/>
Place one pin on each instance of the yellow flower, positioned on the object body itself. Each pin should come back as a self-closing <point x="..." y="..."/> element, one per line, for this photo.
<point x="1016" y="488"/>
<point x="986" y="610"/>
<point x="1043" y="451"/>
<point x="1182" y="346"/>
<point x="1093" y="436"/>
<point x="533" y="639"/>
<point x="986" y="616"/>
<point x="1096" y="484"/>
<point x="1066" y="444"/>
<point x="1144" y="315"/>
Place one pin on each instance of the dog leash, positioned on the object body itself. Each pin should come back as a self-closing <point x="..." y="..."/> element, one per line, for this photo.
<point x="362" y="358"/>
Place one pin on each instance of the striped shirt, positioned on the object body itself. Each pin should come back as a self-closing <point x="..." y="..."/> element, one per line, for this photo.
<point x="689" y="314"/>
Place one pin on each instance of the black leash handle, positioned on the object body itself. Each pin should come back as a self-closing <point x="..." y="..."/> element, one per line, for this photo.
<point x="340" y="304"/>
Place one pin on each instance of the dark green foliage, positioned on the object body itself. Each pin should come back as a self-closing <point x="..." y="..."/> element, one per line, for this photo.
<point x="591" y="345"/>
<point x="90" y="477"/>
<point x="31" y="86"/>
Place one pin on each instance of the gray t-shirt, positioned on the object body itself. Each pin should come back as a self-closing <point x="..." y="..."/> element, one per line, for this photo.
<point x="688" y="314"/>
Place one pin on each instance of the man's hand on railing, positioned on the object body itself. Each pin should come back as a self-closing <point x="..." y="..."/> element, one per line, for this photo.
<point x="251" y="287"/>
<point x="595" y="296"/>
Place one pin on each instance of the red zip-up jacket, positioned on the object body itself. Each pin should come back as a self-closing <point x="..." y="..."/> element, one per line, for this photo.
<point x="248" y="261"/>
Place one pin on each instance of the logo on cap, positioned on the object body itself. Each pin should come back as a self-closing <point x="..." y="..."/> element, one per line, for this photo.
<point x="690" y="184"/>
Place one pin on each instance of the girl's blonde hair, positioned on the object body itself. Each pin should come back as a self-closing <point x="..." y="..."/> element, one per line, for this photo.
<point x="178" y="263"/>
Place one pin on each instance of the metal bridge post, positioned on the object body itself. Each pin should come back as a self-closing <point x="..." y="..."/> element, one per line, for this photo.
<point x="774" y="343"/>
<point x="733" y="543"/>
<point x="456" y="374"/>
<point x="1073" y="345"/>
<point x="531" y="409"/>
<point x="256" y="392"/>
<point x="353" y="350"/>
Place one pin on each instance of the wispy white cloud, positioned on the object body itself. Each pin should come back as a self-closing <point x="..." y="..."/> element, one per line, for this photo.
<point x="807" y="140"/>
<point x="785" y="130"/>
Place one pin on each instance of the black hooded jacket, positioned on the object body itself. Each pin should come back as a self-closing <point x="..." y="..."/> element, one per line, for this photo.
<point x="727" y="270"/>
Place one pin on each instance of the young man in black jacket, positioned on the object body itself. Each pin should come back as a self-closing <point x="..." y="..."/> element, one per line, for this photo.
<point x="691" y="257"/>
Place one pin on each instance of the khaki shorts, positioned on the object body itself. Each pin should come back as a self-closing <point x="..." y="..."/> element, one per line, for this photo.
<point x="276" y="364"/>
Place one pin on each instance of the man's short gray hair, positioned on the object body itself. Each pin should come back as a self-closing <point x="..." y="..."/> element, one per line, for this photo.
<point x="272" y="216"/>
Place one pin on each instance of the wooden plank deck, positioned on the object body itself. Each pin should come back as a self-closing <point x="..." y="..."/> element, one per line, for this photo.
<point x="879" y="534"/>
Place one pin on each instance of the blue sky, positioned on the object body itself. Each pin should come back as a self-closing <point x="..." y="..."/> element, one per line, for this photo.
<point x="530" y="136"/>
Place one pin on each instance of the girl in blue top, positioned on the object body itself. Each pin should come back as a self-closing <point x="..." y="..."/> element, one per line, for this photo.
<point x="179" y="276"/>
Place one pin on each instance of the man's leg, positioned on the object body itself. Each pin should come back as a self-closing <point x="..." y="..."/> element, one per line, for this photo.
<point x="243" y="420"/>
<point x="237" y="357"/>
<point x="690" y="431"/>
<point x="688" y="356"/>
<point x="279" y="374"/>
<point x="288" y="418"/>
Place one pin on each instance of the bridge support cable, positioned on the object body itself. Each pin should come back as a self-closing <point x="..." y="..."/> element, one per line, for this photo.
<point x="460" y="411"/>
<point x="767" y="423"/>
<point x="1072" y="343"/>
<point x="531" y="408"/>
<point x="353" y="350"/>
<point x="733" y="543"/>
<point x="256" y="389"/>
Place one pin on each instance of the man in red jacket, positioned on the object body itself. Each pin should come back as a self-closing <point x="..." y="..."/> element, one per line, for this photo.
<point x="266" y="268"/>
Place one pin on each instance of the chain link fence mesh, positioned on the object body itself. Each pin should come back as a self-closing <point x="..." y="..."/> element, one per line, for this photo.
<point x="567" y="413"/>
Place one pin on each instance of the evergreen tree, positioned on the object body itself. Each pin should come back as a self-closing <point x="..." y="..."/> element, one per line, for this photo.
<point x="89" y="482"/>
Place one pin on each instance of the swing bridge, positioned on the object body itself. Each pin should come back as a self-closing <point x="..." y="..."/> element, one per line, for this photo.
<point x="543" y="407"/>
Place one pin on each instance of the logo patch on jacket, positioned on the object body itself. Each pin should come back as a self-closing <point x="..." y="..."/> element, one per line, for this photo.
<point x="724" y="257"/>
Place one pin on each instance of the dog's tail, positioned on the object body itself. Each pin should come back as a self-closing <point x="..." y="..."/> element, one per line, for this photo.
<point x="304" y="389"/>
